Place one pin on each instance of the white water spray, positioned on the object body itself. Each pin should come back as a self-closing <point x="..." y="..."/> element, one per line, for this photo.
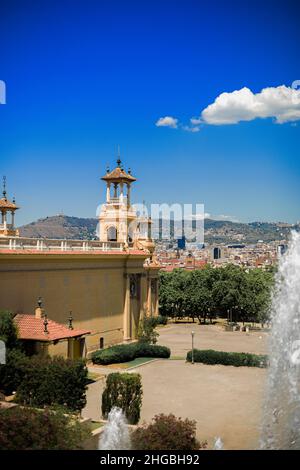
<point x="281" y="422"/>
<point x="218" y="444"/>
<point x="115" y="435"/>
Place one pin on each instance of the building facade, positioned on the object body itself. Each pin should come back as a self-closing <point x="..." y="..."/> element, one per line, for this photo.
<point x="108" y="284"/>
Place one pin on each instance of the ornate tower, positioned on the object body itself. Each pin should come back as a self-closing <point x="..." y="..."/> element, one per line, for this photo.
<point x="118" y="217"/>
<point x="7" y="207"/>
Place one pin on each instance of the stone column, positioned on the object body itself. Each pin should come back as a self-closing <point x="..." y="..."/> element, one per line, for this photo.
<point x="12" y="219"/>
<point x="128" y="194"/>
<point x="149" y="309"/>
<point x="156" y="313"/>
<point x="143" y="294"/>
<point x="121" y="192"/>
<point x="108" y="192"/>
<point x="126" y="315"/>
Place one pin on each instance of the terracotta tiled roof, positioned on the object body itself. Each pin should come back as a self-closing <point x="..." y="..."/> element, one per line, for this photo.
<point x="118" y="174"/>
<point x="30" y="327"/>
<point x="6" y="204"/>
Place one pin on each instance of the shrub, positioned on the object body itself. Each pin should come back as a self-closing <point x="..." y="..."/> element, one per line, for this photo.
<point x="29" y="429"/>
<point x="161" y="320"/>
<point x="41" y="381"/>
<point x="128" y="352"/>
<point x="146" y="331"/>
<point x="8" y="329"/>
<point x="236" y="359"/>
<point x="166" y="432"/>
<point x="56" y="380"/>
<point x="13" y="372"/>
<point x="123" y="391"/>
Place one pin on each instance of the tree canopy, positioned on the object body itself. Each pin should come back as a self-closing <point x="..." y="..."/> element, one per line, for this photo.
<point x="205" y="293"/>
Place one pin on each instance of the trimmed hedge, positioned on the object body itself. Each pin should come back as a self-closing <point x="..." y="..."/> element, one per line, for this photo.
<point x="237" y="359"/>
<point x="123" y="391"/>
<point x="128" y="352"/>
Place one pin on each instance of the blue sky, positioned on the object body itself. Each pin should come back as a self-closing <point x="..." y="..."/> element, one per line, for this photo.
<point x="84" y="76"/>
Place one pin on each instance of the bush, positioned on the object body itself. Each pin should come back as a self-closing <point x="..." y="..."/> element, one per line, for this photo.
<point x="236" y="359"/>
<point x="56" y="380"/>
<point x="146" y="331"/>
<point x="8" y="330"/>
<point x="161" y="320"/>
<point x="123" y="391"/>
<point x="13" y="372"/>
<point x="128" y="352"/>
<point x="29" y="429"/>
<point x="166" y="432"/>
<point x="44" y="381"/>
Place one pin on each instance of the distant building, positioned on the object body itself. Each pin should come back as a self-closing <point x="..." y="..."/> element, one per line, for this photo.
<point x="216" y="253"/>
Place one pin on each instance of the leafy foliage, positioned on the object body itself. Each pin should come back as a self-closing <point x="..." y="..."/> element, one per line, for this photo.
<point x="8" y="330"/>
<point x="166" y="432"/>
<point x="13" y="372"/>
<point x="127" y="352"/>
<point x="146" y="331"/>
<point x="206" y="292"/>
<point x="29" y="429"/>
<point x="123" y="391"/>
<point x="45" y="381"/>
<point x="209" y="356"/>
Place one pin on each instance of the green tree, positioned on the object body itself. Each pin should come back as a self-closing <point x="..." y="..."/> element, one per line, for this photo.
<point x="30" y="429"/>
<point x="146" y="330"/>
<point x="166" y="432"/>
<point x="123" y="391"/>
<point x="8" y="330"/>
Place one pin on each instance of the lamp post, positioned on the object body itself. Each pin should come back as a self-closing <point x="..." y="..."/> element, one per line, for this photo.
<point x="193" y="334"/>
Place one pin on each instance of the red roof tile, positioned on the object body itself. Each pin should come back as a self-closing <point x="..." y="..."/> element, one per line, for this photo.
<point x="30" y="327"/>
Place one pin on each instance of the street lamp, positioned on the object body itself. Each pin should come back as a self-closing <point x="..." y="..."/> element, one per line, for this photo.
<point x="193" y="334"/>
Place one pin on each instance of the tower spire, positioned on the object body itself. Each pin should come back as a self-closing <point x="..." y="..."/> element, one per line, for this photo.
<point x="4" y="187"/>
<point x="119" y="158"/>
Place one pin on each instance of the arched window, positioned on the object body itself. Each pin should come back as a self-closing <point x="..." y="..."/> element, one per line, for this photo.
<point x="112" y="234"/>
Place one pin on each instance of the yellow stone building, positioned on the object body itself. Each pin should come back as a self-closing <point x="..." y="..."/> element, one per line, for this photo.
<point x="108" y="284"/>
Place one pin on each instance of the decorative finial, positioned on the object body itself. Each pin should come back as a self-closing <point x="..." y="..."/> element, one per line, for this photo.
<point x="4" y="187"/>
<point x="70" y="321"/>
<point x="129" y="171"/>
<point x="14" y="200"/>
<point x="107" y="169"/>
<point x="119" y="158"/>
<point x="45" y="324"/>
<point x="39" y="302"/>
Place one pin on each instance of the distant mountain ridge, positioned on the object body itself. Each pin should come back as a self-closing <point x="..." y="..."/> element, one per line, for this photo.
<point x="216" y="231"/>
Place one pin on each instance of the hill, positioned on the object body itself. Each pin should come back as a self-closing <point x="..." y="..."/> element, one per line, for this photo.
<point x="216" y="231"/>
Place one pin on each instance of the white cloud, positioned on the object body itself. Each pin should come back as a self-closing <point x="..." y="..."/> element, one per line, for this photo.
<point x="195" y="121"/>
<point x="167" y="121"/>
<point x="199" y="216"/>
<point x="231" y="218"/>
<point x="281" y="103"/>
<point x="191" y="128"/>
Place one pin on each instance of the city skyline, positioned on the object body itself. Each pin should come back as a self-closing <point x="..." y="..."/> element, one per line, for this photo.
<point x="81" y="81"/>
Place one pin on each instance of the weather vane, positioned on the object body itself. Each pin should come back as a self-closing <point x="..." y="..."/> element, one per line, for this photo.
<point x="4" y="186"/>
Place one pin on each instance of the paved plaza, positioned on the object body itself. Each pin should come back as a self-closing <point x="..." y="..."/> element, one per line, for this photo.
<point x="225" y="401"/>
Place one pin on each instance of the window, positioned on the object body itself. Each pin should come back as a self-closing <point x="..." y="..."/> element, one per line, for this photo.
<point x="101" y="343"/>
<point x="112" y="234"/>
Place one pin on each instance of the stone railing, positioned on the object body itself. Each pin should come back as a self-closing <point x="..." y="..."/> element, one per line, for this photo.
<point x="47" y="244"/>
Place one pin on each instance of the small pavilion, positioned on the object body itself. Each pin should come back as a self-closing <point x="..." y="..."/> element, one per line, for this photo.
<point x="7" y="228"/>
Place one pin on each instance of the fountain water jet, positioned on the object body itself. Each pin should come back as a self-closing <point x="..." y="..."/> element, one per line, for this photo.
<point x="218" y="444"/>
<point x="281" y="420"/>
<point x="115" y="435"/>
